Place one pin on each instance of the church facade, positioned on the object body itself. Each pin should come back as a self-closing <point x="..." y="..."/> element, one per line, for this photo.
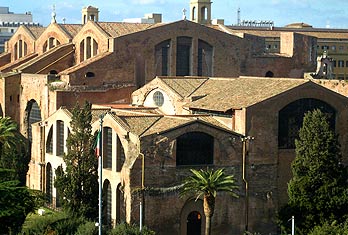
<point x="176" y="96"/>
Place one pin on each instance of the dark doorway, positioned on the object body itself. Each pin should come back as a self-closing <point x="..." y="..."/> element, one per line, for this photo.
<point x="194" y="221"/>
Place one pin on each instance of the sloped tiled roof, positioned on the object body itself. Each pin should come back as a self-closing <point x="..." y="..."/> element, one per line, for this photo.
<point x="8" y="67"/>
<point x="44" y="55"/>
<point x="117" y="29"/>
<point x="184" y="86"/>
<point x="139" y="124"/>
<point x="36" y="30"/>
<point x="224" y="94"/>
<point x="71" y="29"/>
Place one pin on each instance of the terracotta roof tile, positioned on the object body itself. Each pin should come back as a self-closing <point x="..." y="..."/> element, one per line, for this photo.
<point x="224" y="94"/>
<point x="139" y="124"/>
<point x="117" y="29"/>
<point x="71" y="29"/>
<point x="184" y="86"/>
<point x="36" y="30"/>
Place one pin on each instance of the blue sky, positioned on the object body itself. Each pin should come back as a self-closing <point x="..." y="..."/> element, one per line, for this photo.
<point x="319" y="13"/>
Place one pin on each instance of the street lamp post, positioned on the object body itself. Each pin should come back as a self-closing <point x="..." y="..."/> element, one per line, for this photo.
<point x="244" y="140"/>
<point x="142" y="191"/>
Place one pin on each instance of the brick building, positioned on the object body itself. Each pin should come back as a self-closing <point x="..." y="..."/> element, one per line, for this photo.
<point x="181" y="108"/>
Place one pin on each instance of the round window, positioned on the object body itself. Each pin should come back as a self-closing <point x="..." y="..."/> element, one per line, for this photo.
<point x="158" y="98"/>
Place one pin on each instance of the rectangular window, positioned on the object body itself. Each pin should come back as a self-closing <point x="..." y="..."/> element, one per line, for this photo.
<point x="334" y="63"/>
<point x="340" y="63"/>
<point x="183" y="56"/>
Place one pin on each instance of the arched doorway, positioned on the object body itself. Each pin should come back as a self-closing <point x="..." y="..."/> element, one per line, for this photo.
<point x="192" y="220"/>
<point x="194" y="223"/>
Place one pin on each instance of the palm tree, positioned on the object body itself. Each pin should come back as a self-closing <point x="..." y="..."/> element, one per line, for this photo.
<point x="207" y="183"/>
<point x="8" y="132"/>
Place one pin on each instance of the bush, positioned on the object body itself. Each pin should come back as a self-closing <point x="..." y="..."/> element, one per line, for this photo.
<point x="127" y="229"/>
<point x="330" y="229"/>
<point x="41" y="224"/>
<point x="87" y="228"/>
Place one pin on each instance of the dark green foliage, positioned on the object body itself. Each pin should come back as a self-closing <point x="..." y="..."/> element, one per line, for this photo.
<point x="87" y="228"/>
<point x="60" y="223"/>
<point x="16" y="202"/>
<point x="42" y="224"/>
<point x="78" y="185"/>
<point x="318" y="190"/>
<point x="127" y="229"/>
<point x="330" y="229"/>
<point x="14" y="152"/>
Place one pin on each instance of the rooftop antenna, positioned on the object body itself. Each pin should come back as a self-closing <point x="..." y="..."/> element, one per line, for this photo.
<point x="238" y="16"/>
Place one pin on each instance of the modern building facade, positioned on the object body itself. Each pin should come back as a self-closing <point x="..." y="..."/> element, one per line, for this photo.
<point x="9" y="22"/>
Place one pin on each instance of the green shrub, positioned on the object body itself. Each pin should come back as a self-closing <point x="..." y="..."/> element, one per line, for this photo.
<point x="87" y="228"/>
<point x="41" y="224"/>
<point x="68" y="226"/>
<point x="127" y="229"/>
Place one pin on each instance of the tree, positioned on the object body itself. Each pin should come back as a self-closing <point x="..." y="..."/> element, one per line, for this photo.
<point x="206" y="184"/>
<point x="78" y="184"/>
<point x="16" y="202"/>
<point x="14" y="152"/>
<point x="317" y="192"/>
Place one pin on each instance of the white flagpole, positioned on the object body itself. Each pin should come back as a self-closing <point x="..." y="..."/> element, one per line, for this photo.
<point x="100" y="160"/>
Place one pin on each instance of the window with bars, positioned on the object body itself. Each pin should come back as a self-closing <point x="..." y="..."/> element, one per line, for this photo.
<point x="60" y="138"/>
<point x="183" y="56"/>
<point x="107" y="147"/>
<point x="291" y="119"/>
<point x="194" y="148"/>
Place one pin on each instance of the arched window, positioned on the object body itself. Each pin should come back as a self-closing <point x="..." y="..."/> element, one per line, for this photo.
<point x="20" y="49"/>
<point x="89" y="75"/>
<point x="291" y="119"/>
<point x="107" y="148"/>
<point x="194" y="15"/>
<point x="120" y="209"/>
<point x="49" y="183"/>
<point x="162" y="58"/>
<point x="49" y="141"/>
<point x="107" y="201"/>
<point x="205" y="58"/>
<point x="120" y="157"/>
<point x="194" y="148"/>
<point x="33" y="115"/>
<point x="60" y="138"/>
<point x="88" y="48"/>
<point x="183" y="56"/>
<point x="269" y="74"/>
<point x="204" y="13"/>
